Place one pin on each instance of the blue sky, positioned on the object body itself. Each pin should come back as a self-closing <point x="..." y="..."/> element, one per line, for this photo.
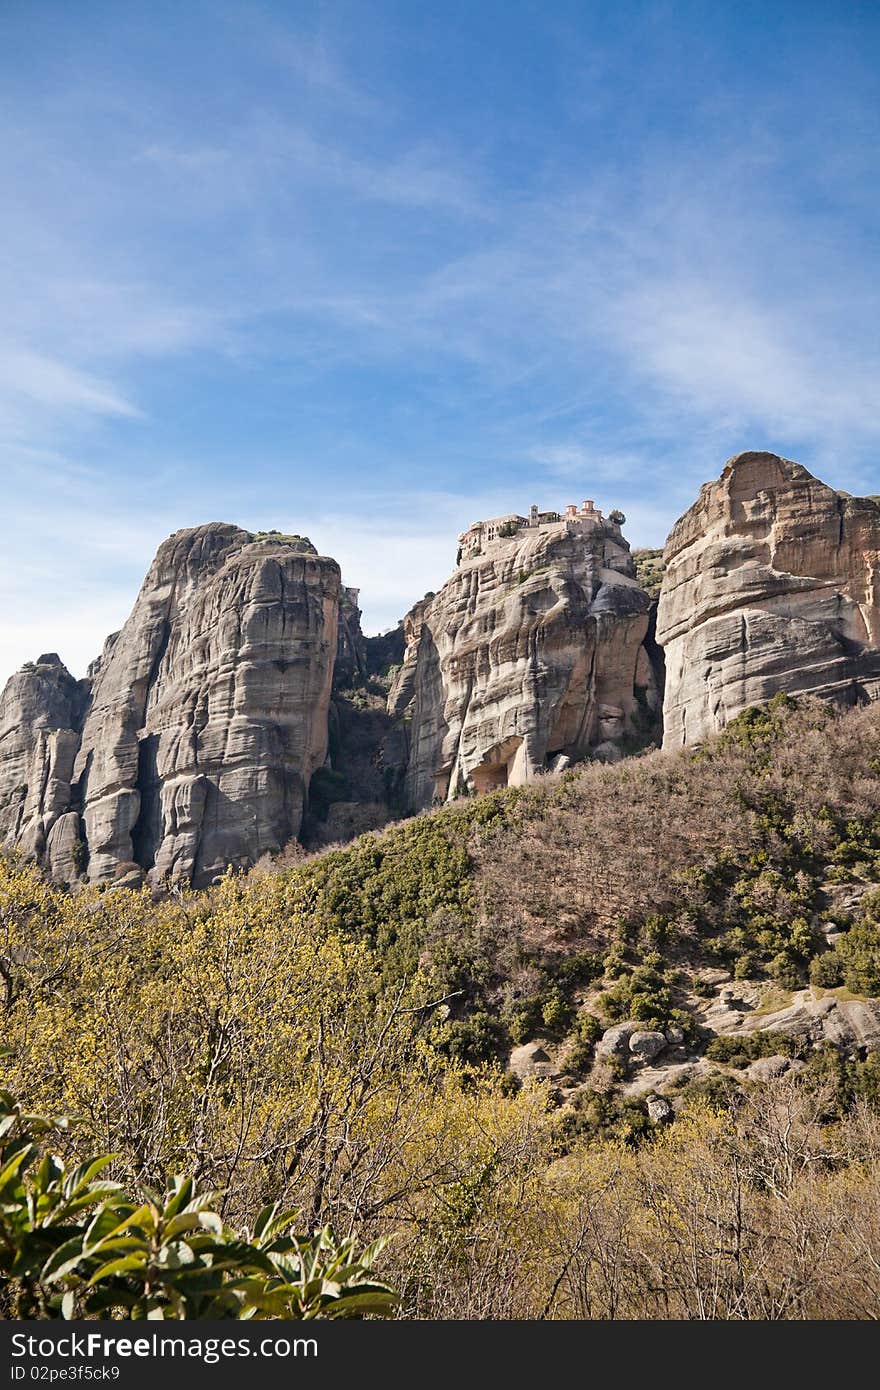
<point x="370" y="271"/>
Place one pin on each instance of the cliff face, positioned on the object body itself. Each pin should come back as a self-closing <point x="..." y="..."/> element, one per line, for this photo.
<point x="351" y="646"/>
<point x="771" y="583"/>
<point x="530" y="654"/>
<point x="41" y="713"/>
<point x="206" y="718"/>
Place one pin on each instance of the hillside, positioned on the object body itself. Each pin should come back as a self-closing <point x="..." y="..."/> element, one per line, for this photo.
<point x="511" y="1030"/>
<point x="621" y="1014"/>
<point x="727" y="891"/>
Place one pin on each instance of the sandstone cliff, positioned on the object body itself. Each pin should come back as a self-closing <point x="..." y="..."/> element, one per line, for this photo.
<point x="771" y="583"/>
<point x="41" y="712"/>
<point x="531" y="654"/>
<point x="350" y="667"/>
<point x="206" y="717"/>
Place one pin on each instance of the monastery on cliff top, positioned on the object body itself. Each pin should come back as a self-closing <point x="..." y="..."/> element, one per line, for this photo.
<point x="482" y="533"/>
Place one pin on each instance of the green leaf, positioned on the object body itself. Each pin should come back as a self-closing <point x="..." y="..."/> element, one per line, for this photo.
<point x="182" y="1193"/>
<point x="370" y="1300"/>
<point x="49" y="1171"/>
<point x="185" y="1221"/>
<point x="98" y="1192"/>
<point x="143" y="1218"/>
<point x="103" y="1224"/>
<point x="176" y="1255"/>
<point x="83" y="1175"/>
<point x="126" y="1265"/>
<point x="63" y="1260"/>
<point x="19" y="1159"/>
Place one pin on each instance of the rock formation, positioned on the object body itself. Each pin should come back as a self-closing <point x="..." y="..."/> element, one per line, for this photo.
<point x="41" y="712"/>
<point x="771" y="583"/>
<point x="350" y="666"/>
<point x="530" y="655"/>
<point x="194" y="741"/>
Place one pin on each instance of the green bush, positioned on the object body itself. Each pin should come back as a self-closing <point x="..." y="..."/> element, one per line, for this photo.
<point x="738" y="1050"/>
<point x="587" y="1030"/>
<point x="858" y="954"/>
<point x="556" y="1011"/>
<point x="74" y="1245"/>
<point x="477" y="1038"/>
<point x="826" y="971"/>
<point x="642" y="995"/>
<point x="854" y="960"/>
<point x="523" y="1018"/>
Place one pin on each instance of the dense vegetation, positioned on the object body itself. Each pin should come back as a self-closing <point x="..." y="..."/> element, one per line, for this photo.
<point x="649" y="569"/>
<point x="330" y="1037"/>
<point x="607" y="893"/>
<point x="75" y="1245"/>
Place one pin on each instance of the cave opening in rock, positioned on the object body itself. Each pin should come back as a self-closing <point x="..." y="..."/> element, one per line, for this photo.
<point x="501" y="767"/>
<point x="488" y="777"/>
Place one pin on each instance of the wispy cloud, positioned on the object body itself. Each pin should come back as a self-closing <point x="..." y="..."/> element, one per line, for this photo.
<point x="311" y="58"/>
<point x="268" y="159"/>
<point x="233" y="297"/>
<point x="56" y="386"/>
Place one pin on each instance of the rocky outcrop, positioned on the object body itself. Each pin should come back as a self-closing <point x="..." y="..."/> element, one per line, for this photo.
<point x="205" y="720"/>
<point x="771" y="583"/>
<point x="351" y="647"/>
<point x="852" y="1025"/>
<point x="531" y="655"/>
<point x="41" y="713"/>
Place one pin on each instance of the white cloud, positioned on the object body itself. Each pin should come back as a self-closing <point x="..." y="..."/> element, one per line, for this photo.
<point x="56" y="386"/>
<point x="730" y="356"/>
<point x="617" y="333"/>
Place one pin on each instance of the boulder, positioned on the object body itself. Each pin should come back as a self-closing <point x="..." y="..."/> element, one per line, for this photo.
<point x="854" y="1023"/>
<point x="659" y="1110"/>
<point x="766" y="1068"/>
<point x="129" y="875"/>
<point x="646" y="1043"/>
<point x="530" y="1060"/>
<point x="614" y="1042"/>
